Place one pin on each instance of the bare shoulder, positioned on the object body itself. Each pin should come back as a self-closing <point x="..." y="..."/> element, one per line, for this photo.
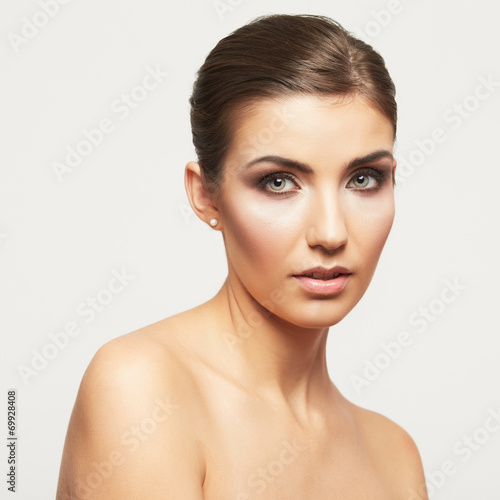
<point x="393" y="447"/>
<point x="136" y="370"/>
<point x="145" y="355"/>
<point x="134" y="418"/>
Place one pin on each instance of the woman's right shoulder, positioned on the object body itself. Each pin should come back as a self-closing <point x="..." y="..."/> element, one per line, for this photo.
<point x="137" y="358"/>
<point x="136" y="413"/>
<point x="144" y="344"/>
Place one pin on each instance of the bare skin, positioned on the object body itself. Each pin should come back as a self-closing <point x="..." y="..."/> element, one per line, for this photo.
<point x="232" y="400"/>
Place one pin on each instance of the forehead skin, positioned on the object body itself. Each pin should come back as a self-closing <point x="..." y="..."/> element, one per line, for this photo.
<point x="318" y="130"/>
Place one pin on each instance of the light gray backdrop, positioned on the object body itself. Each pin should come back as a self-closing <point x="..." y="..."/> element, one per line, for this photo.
<point x="93" y="155"/>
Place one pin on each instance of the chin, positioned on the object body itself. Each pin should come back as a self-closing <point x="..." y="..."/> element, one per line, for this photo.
<point x="318" y="317"/>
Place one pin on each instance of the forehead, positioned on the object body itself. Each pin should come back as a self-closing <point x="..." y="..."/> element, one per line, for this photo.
<point x="310" y="128"/>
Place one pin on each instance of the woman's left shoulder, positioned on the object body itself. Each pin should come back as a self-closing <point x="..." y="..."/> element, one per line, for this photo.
<point x="393" y="447"/>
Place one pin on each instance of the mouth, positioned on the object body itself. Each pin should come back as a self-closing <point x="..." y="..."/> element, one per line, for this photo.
<point x="322" y="281"/>
<point x="321" y="276"/>
<point x="322" y="273"/>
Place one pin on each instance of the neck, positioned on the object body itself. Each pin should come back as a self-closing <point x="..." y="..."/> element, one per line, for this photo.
<point x="267" y="355"/>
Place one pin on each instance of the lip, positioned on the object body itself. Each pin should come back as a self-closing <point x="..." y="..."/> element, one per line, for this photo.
<point x="323" y="286"/>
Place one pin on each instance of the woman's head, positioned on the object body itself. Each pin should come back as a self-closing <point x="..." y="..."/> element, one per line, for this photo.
<point x="273" y="57"/>
<point x="294" y="124"/>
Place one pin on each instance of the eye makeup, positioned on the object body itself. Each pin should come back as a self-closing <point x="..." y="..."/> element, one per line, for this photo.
<point x="378" y="177"/>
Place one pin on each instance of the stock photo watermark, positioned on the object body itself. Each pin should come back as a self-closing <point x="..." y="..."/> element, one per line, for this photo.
<point x="253" y="321"/>
<point x="463" y="449"/>
<point x="380" y="20"/>
<point x="223" y="7"/>
<point x="419" y="322"/>
<point x="12" y="455"/>
<point x="260" y="480"/>
<point x="121" y="107"/>
<point x="454" y="117"/>
<point x="31" y="26"/>
<point x="88" y="310"/>
<point x="130" y="441"/>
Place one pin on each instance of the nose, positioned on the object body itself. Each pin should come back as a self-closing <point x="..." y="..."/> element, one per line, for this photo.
<point x="327" y="224"/>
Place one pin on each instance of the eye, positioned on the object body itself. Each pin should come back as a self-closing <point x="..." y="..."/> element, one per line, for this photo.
<point x="277" y="182"/>
<point x="367" y="179"/>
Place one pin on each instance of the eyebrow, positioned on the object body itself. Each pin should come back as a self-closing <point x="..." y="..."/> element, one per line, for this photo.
<point x="306" y="169"/>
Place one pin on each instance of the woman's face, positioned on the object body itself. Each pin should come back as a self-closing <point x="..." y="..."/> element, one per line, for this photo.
<point x="308" y="182"/>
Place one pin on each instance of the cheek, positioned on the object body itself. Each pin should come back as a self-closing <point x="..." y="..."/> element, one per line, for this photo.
<point x="371" y="229"/>
<point x="260" y="232"/>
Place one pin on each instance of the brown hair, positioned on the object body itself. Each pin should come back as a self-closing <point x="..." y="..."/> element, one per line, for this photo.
<point x="275" y="56"/>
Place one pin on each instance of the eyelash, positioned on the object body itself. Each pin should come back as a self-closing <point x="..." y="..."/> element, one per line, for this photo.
<point x="270" y="177"/>
<point x="379" y="175"/>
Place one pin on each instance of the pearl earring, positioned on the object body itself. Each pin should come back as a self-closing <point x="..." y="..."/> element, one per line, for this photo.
<point x="213" y="222"/>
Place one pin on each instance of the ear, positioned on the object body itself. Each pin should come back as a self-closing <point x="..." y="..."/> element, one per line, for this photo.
<point x="201" y="200"/>
<point x="394" y="172"/>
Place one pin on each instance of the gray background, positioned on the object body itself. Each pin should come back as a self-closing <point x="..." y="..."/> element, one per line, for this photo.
<point x="124" y="207"/>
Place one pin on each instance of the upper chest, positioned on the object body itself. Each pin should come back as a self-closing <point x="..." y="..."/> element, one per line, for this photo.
<point x="286" y="470"/>
<point x="255" y="454"/>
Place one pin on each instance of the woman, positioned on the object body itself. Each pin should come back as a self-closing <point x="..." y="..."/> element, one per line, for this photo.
<point x="293" y="123"/>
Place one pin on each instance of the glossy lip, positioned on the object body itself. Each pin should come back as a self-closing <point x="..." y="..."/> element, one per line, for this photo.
<point x="324" y="286"/>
